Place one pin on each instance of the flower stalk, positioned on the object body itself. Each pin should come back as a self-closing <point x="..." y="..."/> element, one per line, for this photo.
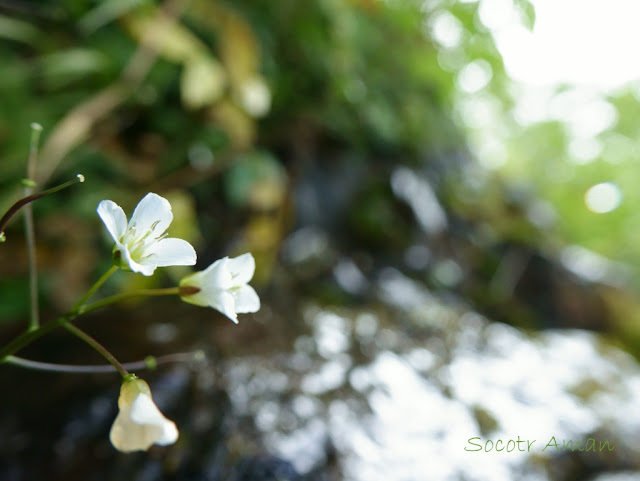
<point x="30" y="198"/>
<point x="30" y="237"/>
<point x="149" y="362"/>
<point x="78" y="309"/>
<point x="168" y="291"/>
<point x="76" y="331"/>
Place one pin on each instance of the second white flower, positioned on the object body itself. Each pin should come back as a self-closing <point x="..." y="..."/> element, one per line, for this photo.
<point x="224" y="286"/>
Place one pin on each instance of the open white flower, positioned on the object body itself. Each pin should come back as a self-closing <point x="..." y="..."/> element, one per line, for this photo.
<point x="142" y="245"/>
<point x="140" y="423"/>
<point x="224" y="286"/>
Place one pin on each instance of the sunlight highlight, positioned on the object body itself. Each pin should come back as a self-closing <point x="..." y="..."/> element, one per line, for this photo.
<point x="573" y="41"/>
<point x="604" y="197"/>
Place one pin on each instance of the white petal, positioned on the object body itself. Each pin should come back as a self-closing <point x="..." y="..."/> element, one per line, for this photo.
<point x="146" y="267"/>
<point x="169" y="433"/>
<point x="225" y="303"/>
<point x="242" y="268"/>
<point x="217" y="276"/>
<point x="144" y="411"/>
<point x="247" y="300"/>
<point x="172" y="252"/>
<point x="127" y="436"/>
<point x="140" y="423"/>
<point x="114" y="218"/>
<point x="151" y="210"/>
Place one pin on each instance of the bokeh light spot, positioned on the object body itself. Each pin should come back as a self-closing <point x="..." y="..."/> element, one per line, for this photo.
<point x="602" y="198"/>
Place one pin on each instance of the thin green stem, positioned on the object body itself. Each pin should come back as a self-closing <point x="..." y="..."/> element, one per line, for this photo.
<point x="128" y="295"/>
<point x="78" y="305"/>
<point x="150" y="362"/>
<point x="30" y="198"/>
<point x="30" y="237"/>
<point x="30" y="336"/>
<point x="36" y="130"/>
<point x="97" y="346"/>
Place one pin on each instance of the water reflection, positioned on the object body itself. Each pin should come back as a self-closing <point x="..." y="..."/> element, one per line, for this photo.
<point x="392" y="388"/>
<point x="399" y="389"/>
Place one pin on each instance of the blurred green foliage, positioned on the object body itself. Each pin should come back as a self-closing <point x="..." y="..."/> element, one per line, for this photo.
<point x="165" y="96"/>
<point x="225" y="105"/>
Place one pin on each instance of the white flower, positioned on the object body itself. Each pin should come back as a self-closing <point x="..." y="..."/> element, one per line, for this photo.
<point x="140" y="423"/>
<point x="142" y="245"/>
<point x="223" y="286"/>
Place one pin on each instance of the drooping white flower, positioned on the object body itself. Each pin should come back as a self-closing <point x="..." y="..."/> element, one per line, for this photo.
<point x="224" y="286"/>
<point x="140" y="423"/>
<point x="142" y="245"/>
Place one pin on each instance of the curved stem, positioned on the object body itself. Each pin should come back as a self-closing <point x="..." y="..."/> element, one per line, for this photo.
<point x="97" y="346"/>
<point x="30" y="198"/>
<point x="149" y="362"/>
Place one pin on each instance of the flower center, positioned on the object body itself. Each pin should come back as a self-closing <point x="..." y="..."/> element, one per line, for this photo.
<point x="138" y="244"/>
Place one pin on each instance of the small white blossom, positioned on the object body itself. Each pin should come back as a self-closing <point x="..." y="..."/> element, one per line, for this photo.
<point x="142" y="245"/>
<point x="224" y="286"/>
<point x="140" y="423"/>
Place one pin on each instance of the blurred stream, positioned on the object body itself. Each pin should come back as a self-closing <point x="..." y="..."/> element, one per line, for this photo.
<point x="390" y="391"/>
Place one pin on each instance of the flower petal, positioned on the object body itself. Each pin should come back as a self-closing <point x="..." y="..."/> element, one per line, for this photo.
<point x="140" y="423"/>
<point x="128" y="436"/>
<point x="217" y="276"/>
<point x="122" y="438"/>
<point x="242" y="268"/>
<point x="146" y="267"/>
<point x="171" y="252"/>
<point x="169" y="434"/>
<point x="151" y="211"/>
<point x="144" y="411"/>
<point x="246" y="299"/>
<point x="225" y="303"/>
<point x="114" y="218"/>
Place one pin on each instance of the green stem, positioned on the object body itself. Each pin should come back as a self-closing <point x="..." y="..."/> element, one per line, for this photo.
<point x="30" y="237"/>
<point x="36" y="130"/>
<point x="128" y="295"/>
<point x="78" y="305"/>
<point x="150" y="362"/>
<point x="28" y="337"/>
<point x="31" y="335"/>
<point x="30" y="198"/>
<point x="97" y="346"/>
